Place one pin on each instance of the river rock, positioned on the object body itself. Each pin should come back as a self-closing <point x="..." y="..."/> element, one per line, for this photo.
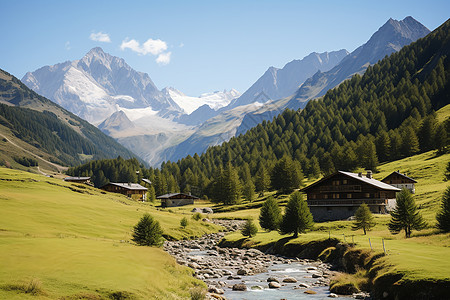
<point x="274" y="285"/>
<point x="239" y="287"/>
<point x="290" y="280"/>
<point x="316" y="275"/>
<point x="303" y="285"/>
<point x="333" y="295"/>
<point x="257" y="288"/>
<point x="215" y="290"/>
<point x="243" y="272"/>
<point x="272" y="279"/>
<point x="310" y="292"/>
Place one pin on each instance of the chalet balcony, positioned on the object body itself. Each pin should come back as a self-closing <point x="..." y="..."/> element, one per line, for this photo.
<point x="340" y="188"/>
<point x="346" y="202"/>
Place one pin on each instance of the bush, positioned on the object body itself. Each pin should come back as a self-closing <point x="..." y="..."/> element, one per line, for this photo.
<point x="184" y="222"/>
<point x="147" y="232"/>
<point x="249" y="228"/>
<point x="197" y="216"/>
<point x="198" y="293"/>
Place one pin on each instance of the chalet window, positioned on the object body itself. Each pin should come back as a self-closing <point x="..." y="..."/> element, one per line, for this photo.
<point x="349" y="196"/>
<point x="325" y="196"/>
<point x="344" y="181"/>
<point x="313" y="196"/>
<point x="367" y="195"/>
<point x="335" y="196"/>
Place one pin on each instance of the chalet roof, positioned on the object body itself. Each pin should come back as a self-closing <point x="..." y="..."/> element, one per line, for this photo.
<point x="168" y="196"/>
<point x="146" y="180"/>
<point x="129" y="186"/>
<point x="362" y="178"/>
<point x="400" y="174"/>
<point x="77" y="178"/>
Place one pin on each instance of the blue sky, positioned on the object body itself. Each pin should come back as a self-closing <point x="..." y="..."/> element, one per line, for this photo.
<point x="195" y="46"/>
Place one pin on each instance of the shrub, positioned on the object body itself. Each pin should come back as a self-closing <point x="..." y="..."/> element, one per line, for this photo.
<point x="147" y="232"/>
<point x="249" y="228"/>
<point x="363" y="219"/>
<point x="184" y="222"/>
<point x="198" y="293"/>
<point x="197" y="216"/>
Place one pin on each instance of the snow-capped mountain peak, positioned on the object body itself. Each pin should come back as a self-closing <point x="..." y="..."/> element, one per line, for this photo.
<point x="214" y="100"/>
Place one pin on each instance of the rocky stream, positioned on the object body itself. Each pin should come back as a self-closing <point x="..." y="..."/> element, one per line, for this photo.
<point x="233" y="273"/>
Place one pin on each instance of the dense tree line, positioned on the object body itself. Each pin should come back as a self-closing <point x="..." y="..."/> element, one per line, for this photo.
<point x="384" y="115"/>
<point x="26" y="161"/>
<point x="111" y="170"/>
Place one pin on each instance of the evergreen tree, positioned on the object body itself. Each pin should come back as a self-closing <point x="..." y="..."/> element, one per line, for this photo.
<point x="151" y="196"/>
<point x="441" y="138"/>
<point x="248" y="191"/>
<point x="270" y="215"/>
<point x="262" y="180"/>
<point x="147" y="232"/>
<point x="363" y="219"/>
<point x="286" y="175"/>
<point x="314" y="167"/>
<point x="405" y="215"/>
<point x="297" y="218"/>
<point x="443" y="216"/>
<point x="184" y="222"/>
<point x="410" y="143"/>
<point x="227" y="187"/>
<point x="249" y="229"/>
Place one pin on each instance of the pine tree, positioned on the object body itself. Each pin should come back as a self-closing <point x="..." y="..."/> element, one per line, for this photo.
<point x="405" y="215"/>
<point x="262" y="180"/>
<point x="286" y="175"/>
<point x="363" y="219"/>
<point x="147" y="232"/>
<point x="249" y="229"/>
<point x="151" y="196"/>
<point x="443" y="216"/>
<point x="270" y="215"/>
<point x="297" y="218"/>
<point x="248" y="191"/>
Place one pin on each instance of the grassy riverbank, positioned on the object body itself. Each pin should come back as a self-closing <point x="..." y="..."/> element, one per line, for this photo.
<point x="419" y="261"/>
<point x="62" y="240"/>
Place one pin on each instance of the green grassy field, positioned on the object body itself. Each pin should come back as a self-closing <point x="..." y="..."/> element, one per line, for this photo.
<point x="421" y="257"/>
<point x="73" y="241"/>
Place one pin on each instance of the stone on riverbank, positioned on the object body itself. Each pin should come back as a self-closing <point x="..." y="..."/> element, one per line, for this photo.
<point x="290" y="280"/>
<point x="270" y="279"/>
<point x="239" y="287"/>
<point x="274" y="285"/>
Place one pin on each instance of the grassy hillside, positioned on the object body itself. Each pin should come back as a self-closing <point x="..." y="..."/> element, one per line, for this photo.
<point x="72" y="241"/>
<point x="421" y="257"/>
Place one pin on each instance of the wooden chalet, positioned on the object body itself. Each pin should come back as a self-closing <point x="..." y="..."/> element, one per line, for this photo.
<point x="337" y="196"/>
<point x="400" y="181"/>
<point x="85" y="180"/>
<point x="176" y="199"/>
<point x="132" y="190"/>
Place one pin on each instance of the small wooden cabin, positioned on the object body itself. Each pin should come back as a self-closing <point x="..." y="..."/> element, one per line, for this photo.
<point x="176" y="199"/>
<point x="85" y="180"/>
<point x="337" y="196"/>
<point x="132" y="190"/>
<point x="400" y="181"/>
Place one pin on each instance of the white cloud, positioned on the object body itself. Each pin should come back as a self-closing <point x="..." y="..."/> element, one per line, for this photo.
<point x="164" y="58"/>
<point x="151" y="46"/>
<point x="67" y="45"/>
<point x="181" y="45"/>
<point x="100" y="37"/>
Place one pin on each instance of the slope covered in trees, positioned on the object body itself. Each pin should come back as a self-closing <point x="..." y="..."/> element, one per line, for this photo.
<point x="42" y="123"/>
<point x="384" y="115"/>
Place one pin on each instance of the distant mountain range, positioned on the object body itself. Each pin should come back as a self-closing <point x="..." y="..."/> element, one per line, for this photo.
<point x="50" y="130"/>
<point x="167" y="125"/>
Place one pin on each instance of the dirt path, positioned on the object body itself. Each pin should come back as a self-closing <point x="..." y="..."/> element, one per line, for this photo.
<point x="58" y="167"/>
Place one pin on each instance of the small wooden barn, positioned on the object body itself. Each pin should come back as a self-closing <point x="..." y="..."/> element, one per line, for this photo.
<point x="401" y="181"/>
<point x="176" y="199"/>
<point x="132" y="190"/>
<point x="337" y="196"/>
